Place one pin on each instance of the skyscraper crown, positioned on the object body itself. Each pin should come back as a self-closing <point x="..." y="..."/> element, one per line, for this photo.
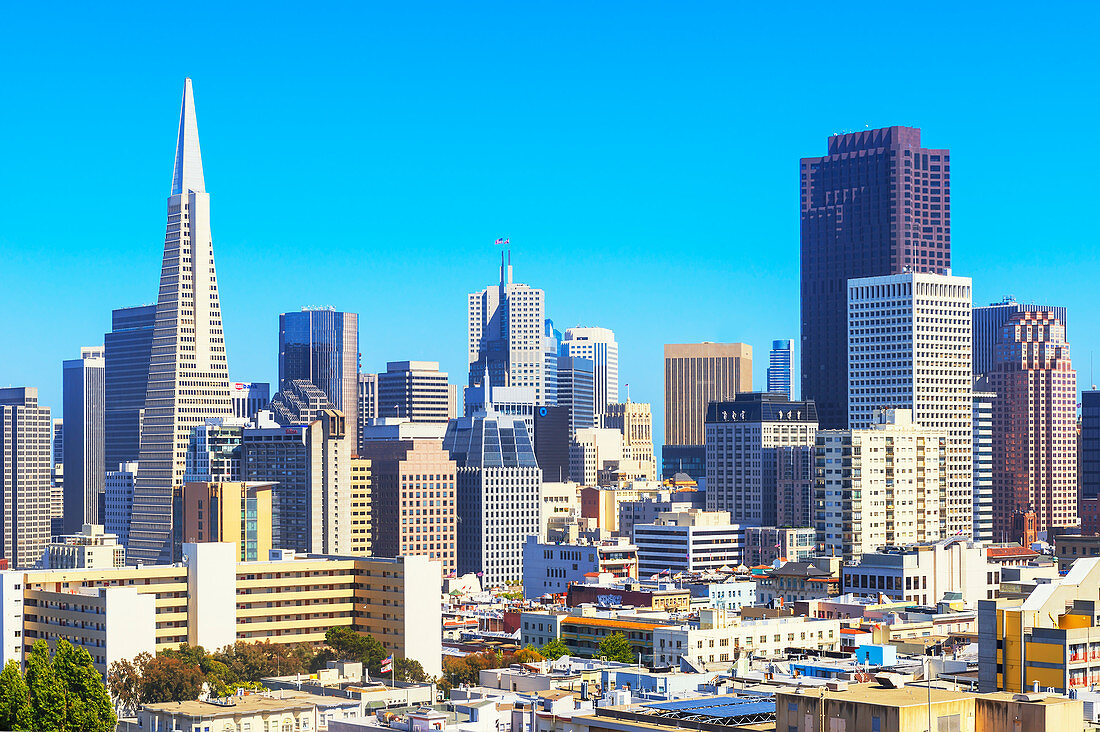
<point x="187" y="173"/>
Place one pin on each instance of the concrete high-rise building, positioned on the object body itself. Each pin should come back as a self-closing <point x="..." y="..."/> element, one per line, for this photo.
<point x="249" y="397"/>
<point x="497" y="494"/>
<point x="760" y="459"/>
<point x="89" y="548"/>
<point x="417" y="390"/>
<point x="368" y="400"/>
<point x="214" y="451"/>
<point x="299" y="402"/>
<point x="983" y="459"/>
<point x="552" y="441"/>
<point x="990" y="320"/>
<point x="233" y="512"/>
<point x="119" y="500"/>
<point x="598" y="346"/>
<point x="506" y="325"/>
<point x="312" y="503"/>
<point x="697" y="374"/>
<point x="1034" y="423"/>
<point x="126" y="353"/>
<point x="188" y="372"/>
<point x="82" y="386"/>
<point x="362" y="510"/>
<point x="592" y="450"/>
<point x="876" y="204"/>
<point x="322" y="346"/>
<point x="576" y="390"/>
<point x="880" y="486"/>
<point x="779" y="368"/>
<point x="635" y="421"/>
<point x="25" y="436"/>
<point x="1088" y="462"/>
<point x="414" y="499"/>
<point x="57" y="479"/>
<point x="552" y="346"/>
<point x="909" y="346"/>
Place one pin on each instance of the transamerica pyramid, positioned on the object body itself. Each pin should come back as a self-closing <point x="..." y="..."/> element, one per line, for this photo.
<point x="188" y="373"/>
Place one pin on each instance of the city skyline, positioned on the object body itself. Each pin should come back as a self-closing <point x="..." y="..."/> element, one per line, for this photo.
<point x="708" y="232"/>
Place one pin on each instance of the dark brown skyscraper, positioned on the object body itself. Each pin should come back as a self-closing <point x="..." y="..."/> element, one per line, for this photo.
<point x="877" y="204"/>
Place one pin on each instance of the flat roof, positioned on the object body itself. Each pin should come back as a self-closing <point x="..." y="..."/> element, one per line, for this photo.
<point x="250" y="703"/>
<point x="904" y="697"/>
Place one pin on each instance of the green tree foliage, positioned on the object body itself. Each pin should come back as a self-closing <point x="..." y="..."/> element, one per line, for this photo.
<point x="124" y="683"/>
<point x="348" y="645"/>
<point x="410" y="670"/>
<point x="616" y="647"/>
<point x="467" y="669"/>
<point x="554" y="650"/>
<point x="15" y="706"/>
<point x="45" y="691"/>
<point x="87" y="705"/>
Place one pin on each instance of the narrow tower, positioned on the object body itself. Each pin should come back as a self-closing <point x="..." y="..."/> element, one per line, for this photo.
<point x="188" y="374"/>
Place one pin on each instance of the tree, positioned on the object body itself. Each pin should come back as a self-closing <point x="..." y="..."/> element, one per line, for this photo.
<point x="46" y="693"/>
<point x="616" y="647"/>
<point x="124" y="682"/>
<point x="348" y="645"/>
<point x="554" y="649"/>
<point x="87" y="705"/>
<point x="15" y="706"/>
<point x="530" y="654"/>
<point x="165" y="678"/>
<point x="409" y="669"/>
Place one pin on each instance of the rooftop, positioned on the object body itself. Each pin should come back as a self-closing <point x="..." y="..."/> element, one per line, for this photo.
<point x="250" y="703"/>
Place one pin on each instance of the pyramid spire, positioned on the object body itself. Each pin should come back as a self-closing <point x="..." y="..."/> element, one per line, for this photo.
<point x="187" y="173"/>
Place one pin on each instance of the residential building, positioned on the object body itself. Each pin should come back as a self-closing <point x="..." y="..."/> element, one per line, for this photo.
<point x="592" y="450"/>
<point x="576" y="390"/>
<point x="925" y="573"/>
<point x="728" y="595"/>
<point x="127" y="350"/>
<point x="249" y="397"/>
<point x="417" y="390"/>
<point x="506" y="326"/>
<point x="597" y="345"/>
<point x="688" y="541"/>
<point x="552" y="441"/>
<point x="26" y="434"/>
<point x="723" y="635"/>
<point x="321" y="345"/>
<point x="792" y="582"/>
<point x="649" y="505"/>
<point x="232" y="512"/>
<point x="1068" y="548"/>
<point x="983" y="458"/>
<point x="864" y="214"/>
<point x="635" y="421"/>
<point x="413" y="499"/>
<point x="909" y="339"/>
<point x="583" y="632"/>
<point x="549" y="569"/>
<point x="83" y="403"/>
<point x="881" y="486"/>
<point x="767" y="544"/>
<point x="312" y="504"/>
<point x="119" y="500"/>
<point x="188" y="373"/>
<point x="362" y="507"/>
<point x="780" y="368"/>
<point x="299" y="402"/>
<point x="1034" y="423"/>
<point x="90" y="548"/>
<point x="697" y="374"/>
<point x="989" y="323"/>
<point x="1047" y="638"/>
<point x="559" y="503"/>
<point x="212" y="600"/>
<point x="262" y="712"/>
<point x="759" y="450"/>
<point x="497" y="497"/>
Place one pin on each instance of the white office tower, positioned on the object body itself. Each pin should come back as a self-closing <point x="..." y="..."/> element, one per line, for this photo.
<point x="188" y="373"/>
<point x="598" y="346"/>
<point x="880" y="486"/>
<point x="506" y="323"/>
<point x="909" y="347"/>
<point x="983" y="459"/>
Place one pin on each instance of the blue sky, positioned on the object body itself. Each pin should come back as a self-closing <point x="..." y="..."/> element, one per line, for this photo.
<point x="642" y="158"/>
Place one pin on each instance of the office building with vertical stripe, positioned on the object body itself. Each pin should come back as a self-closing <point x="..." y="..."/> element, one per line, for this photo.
<point x="990" y="320"/>
<point x="416" y="390"/>
<point x="697" y="374"/>
<point x="25" y="435"/>
<point x="188" y="371"/>
<point x="126" y="352"/>
<point x="598" y="345"/>
<point x="877" y="203"/>
<point x="779" y="368"/>
<point x="82" y="387"/>
<point x="322" y="346"/>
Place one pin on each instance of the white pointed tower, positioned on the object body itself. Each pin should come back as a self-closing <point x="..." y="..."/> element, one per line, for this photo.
<point x="188" y="373"/>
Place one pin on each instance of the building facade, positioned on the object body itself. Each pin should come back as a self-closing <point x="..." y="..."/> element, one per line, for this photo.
<point x="549" y="569"/>
<point x="925" y="574"/>
<point x="1034" y="423"/>
<point x="232" y="512"/>
<point x="688" y="541"/>
<point x="635" y="421"/>
<point x="909" y="342"/>
<point x="983" y="459"/>
<point x="598" y="345"/>
<point x="697" y="374"/>
<point x="249" y="397"/>
<point x="119" y="500"/>
<point x="417" y="390"/>
<point x="90" y="548"/>
<point x="576" y="391"/>
<point x="83" y="399"/>
<point x="188" y="372"/>
<point x="1088" y="461"/>
<point x="989" y="322"/>
<point x="126" y="353"/>
<point x="880" y="486"/>
<point x="759" y="448"/>
<point x="299" y="402"/>
<point x="877" y="203"/>
<point x="26" y="433"/>
<point x="780" y="368"/>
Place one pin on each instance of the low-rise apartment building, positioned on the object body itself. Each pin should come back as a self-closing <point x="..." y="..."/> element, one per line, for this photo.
<point x="551" y="568"/>
<point x="721" y="635"/>
<point x="925" y="573"/>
